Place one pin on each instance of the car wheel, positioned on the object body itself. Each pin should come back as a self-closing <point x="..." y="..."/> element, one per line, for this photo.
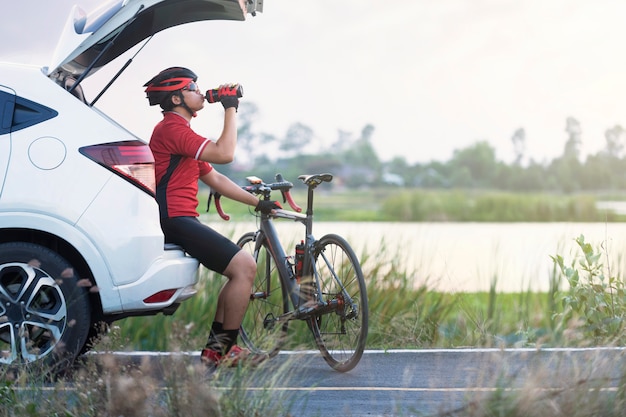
<point x="44" y="310"/>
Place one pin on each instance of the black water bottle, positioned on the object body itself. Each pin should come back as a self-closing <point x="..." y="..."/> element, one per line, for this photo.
<point x="212" y="95"/>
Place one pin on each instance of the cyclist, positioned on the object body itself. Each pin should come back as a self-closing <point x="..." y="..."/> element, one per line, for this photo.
<point x="182" y="157"/>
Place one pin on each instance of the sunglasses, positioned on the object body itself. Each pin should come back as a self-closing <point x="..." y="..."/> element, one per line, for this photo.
<point x="192" y="86"/>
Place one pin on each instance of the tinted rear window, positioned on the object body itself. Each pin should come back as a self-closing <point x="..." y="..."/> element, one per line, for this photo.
<point x="19" y="113"/>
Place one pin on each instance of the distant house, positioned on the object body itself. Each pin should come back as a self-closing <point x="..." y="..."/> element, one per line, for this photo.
<point x="393" y="179"/>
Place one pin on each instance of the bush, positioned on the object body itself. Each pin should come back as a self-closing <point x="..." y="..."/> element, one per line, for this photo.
<point x="595" y="300"/>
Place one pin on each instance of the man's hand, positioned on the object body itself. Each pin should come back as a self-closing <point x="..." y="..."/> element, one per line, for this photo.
<point x="228" y="96"/>
<point x="266" y="206"/>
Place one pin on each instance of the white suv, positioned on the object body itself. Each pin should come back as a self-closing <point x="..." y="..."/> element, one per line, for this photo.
<point x="80" y="241"/>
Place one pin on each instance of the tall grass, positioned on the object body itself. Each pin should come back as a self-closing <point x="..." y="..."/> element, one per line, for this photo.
<point x="404" y="315"/>
<point x="422" y="205"/>
<point x="109" y="385"/>
<point x="488" y="206"/>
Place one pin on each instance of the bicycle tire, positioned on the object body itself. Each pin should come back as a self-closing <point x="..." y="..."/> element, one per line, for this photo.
<point x="258" y="332"/>
<point x="340" y="335"/>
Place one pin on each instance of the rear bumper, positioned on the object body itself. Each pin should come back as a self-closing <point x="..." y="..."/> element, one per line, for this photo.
<point x="174" y="271"/>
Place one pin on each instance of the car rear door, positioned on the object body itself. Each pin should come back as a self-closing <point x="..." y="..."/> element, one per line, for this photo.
<point x="91" y="41"/>
<point x="7" y="105"/>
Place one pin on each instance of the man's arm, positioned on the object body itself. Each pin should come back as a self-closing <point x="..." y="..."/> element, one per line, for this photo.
<point x="222" y="151"/>
<point x="226" y="187"/>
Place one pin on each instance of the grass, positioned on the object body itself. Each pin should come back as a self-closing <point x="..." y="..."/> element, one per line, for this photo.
<point x="405" y="316"/>
<point x="108" y="385"/>
<point x="419" y="205"/>
<point x="401" y="315"/>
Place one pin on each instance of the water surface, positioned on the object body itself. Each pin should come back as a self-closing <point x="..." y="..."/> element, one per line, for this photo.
<point x="467" y="256"/>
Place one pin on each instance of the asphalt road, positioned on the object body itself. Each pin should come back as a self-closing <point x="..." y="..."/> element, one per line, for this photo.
<point x="431" y="382"/>
<point x="427" y="382"/>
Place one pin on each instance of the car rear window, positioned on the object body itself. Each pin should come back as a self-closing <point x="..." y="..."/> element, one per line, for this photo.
<point x="19" y="113"/>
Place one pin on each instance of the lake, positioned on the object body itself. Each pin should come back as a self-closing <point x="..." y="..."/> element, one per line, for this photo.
<point x="466" y="256"/>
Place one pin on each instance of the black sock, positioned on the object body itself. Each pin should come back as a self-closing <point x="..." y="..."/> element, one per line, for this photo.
<point x="216" y="337"/>
<point x="221" y="340"/>
<point x="231" y="338"/>
<point x="217" y="327"/>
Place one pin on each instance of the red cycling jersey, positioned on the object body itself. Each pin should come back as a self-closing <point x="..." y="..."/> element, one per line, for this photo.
<point x="176" y="149"/>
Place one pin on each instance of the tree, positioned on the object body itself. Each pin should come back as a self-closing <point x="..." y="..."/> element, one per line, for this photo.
<point x="344" y="141"/>
<point x="475" y="165"/>
<point x="362" y="152"/>
<point x="615" y="137"/>
<point x="362" y="164"/>
<point x="519" y="145"/>
<point x="572" y="145"/>
<point x="251" y="144"/>
<point x="297" y="138"/>
<point x="247" y="117"/>
<point x="354" y="161"/>
<point x="400" y="167"/>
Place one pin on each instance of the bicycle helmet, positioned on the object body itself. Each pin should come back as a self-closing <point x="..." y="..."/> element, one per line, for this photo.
<point x="166" y="83"/>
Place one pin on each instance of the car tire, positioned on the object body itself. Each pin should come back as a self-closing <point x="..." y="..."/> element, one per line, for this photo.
<point x="44" y="309"/>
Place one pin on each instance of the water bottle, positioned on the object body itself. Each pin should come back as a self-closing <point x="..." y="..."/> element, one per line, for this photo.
<point x="299" y="259"/>
<point x="212" y="95"/>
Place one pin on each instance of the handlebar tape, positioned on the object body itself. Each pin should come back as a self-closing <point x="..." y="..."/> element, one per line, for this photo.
<point x="218" y="206"/>
<point x="292" y="203"/>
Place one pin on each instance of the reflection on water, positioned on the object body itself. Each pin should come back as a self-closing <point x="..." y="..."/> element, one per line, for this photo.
<point x="467" y="256"/>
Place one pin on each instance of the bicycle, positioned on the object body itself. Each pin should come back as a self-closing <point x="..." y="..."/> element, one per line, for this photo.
<point x="322" y="284"/>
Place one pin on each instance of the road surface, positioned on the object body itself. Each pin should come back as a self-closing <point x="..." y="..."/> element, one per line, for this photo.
<point x="425" y="382"/>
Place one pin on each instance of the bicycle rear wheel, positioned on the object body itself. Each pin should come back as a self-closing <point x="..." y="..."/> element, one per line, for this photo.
<point x="341" y="334"/>
<point x="259" y="331"/>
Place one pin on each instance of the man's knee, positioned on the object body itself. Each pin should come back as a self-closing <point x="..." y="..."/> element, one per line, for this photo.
<point x="242" y="265"/>
<point x="249" y="265"/>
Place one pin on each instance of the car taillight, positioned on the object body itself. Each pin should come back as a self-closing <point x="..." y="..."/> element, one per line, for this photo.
<point x="132" y="160"/>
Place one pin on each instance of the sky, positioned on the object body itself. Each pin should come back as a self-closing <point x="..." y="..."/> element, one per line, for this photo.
<point x="432" y="77"/>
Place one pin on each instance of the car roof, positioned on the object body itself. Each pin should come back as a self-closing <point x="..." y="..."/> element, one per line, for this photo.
<point x="85" y="44"/>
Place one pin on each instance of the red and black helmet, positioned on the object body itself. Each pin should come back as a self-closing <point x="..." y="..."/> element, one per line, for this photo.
<point x="162" y="85"/>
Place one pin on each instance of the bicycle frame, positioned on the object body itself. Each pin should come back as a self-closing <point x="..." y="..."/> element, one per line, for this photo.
<point x="288" y="277"/>
<point x="325" y="286"/>
<point x="303" y="308"/>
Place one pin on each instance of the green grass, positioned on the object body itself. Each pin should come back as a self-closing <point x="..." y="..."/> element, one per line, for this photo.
<point x="405" y="316"/>
<point x="415" y="205"/>
<point x="336" y="206"/>
<point x="401" y="316"/>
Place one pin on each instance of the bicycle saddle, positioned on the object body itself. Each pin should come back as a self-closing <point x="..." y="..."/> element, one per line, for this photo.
<point x="315" y="179"/>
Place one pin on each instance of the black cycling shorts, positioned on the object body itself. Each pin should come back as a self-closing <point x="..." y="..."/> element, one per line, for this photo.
<point x="200" y="241"/>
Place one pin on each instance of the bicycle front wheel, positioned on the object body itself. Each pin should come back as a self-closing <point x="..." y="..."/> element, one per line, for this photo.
<point x="260" y="331"/>
<point x="341" y="334"/>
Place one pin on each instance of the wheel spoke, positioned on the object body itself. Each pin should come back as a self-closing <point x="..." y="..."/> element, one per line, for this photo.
<point x="45" y="316"/>
<point x="34" y="313"/>
<point x="340" y="334"/>
<point x="260" y="330"/>
<point x="38" y="339"/>
<point x="8" y="337"/>
<point x="46" y="301"/>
